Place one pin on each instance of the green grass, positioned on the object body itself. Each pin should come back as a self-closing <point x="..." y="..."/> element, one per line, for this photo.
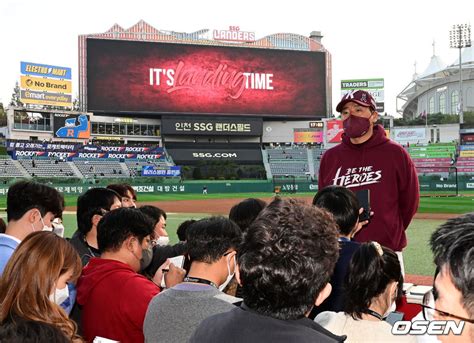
<point x="462" y="204"/>
<point x="459" y="205"/>
<point x="417" y="255"/>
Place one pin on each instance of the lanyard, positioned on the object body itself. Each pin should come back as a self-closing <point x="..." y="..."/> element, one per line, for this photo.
<point x="374" y="314"/>
<point x="199" y="280"/>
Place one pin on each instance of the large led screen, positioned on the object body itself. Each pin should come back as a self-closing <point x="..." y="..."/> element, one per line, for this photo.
<point x="148" y="78"/>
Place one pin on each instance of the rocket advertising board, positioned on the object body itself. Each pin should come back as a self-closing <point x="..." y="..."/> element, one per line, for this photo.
<point x="149" y="78"/>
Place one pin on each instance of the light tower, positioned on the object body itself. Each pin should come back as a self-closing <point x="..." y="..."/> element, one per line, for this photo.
<point x="460" y="37"/>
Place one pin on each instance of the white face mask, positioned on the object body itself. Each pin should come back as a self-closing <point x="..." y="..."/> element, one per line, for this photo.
<point x="59" y="295"/>
<point x="58" y="228"/>
<point x="162" y="241"/>
<point x="45" y="227"/>
<point x="229" y="275"/>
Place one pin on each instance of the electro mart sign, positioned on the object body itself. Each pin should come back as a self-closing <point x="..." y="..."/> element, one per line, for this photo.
<point x="150" y="77"/>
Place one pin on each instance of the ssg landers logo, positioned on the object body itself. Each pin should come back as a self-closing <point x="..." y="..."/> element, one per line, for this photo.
<point x="355" y="177"/>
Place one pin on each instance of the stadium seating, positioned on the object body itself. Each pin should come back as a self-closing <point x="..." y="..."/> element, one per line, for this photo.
<point x="288" y="161"/>
<point x="8" y="168"/>
<point x="101" y="169"/>
<point x="433" y="158"/>
<point x="47" y="167"/>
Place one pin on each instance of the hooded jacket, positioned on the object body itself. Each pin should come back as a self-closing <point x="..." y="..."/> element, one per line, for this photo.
<point x="386" y="169"/>
<point x="114" y="300"/>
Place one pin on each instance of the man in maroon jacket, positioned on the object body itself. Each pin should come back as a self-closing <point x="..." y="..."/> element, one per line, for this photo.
<point x="367" y="159"/>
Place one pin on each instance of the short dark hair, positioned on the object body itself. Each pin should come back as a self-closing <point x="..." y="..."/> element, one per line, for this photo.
<point x="93" y="201"/>
<point x="287" y="257"/>
<point x="245" y="212"/>
<point x="183" y="229"/>
<point x="3" y="226"/>
<point x="155" y="213"/>
<point x="453" y="249"/>
<point x="122" y="189"/>
<point x="342" y="204"/>
<point x="117" y="225"/>
<point x="25" y="195"/>
<point x="210" y="238"/>
<point x="368" y="276"/>
<point x="30" y="331"/>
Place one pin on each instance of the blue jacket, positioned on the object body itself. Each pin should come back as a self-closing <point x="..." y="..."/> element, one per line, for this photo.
<point x="7" y="247"/>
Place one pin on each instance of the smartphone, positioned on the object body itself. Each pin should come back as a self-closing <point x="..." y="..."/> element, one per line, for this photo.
<point x="363" y="196"/>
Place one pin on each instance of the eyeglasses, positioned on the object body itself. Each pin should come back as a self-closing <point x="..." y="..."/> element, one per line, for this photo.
<point x="429" y="311"/>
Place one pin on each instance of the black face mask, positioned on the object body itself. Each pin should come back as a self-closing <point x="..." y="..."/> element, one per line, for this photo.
<point x="147" y="256"/>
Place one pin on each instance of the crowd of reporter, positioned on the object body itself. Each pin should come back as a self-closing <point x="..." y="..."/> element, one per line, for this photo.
<point x="286" y="271"/>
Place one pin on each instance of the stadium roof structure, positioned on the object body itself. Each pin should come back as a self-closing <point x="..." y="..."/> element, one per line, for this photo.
<point x="435" y="75"/>
<point x="142" y="31"/>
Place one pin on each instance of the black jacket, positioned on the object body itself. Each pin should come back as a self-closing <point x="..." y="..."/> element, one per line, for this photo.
<point x="244" y="325"/>
<point x="84" y="250"/>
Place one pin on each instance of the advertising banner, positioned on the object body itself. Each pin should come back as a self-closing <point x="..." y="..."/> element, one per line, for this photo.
<point x="45" y="85"/>
<point x="45" y="70"/>
<point x="40" y="146"/>
<point x="190" y="156"/>
<point x="374" y="86"/>
<point x="467" y="139"/>
<point x="71" y="126"/>
<point x="308" y="136"/>
<point x="130" y="149"/>
<point x="467" y="153"/>
<point x="154" y="171"/>
<point x="219" y="126"/>
<point x="150" y="77"/>
<point x="334" y="131"/>
<point x="45" y="98"/>
<point x="409" y="134"/>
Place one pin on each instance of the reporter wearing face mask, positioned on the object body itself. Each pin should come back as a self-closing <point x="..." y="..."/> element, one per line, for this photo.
<point x="162" y="250"/>
<point x="37" y="282"/>
<point x="113" y="296"/>
<point x="212" y="244"/>
<point x="372" y="286"/>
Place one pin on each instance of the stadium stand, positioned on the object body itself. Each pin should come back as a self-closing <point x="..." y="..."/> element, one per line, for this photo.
<point x="46" y="168"/>
<point x="433" y="158"/>
<point x="102" y="169"/>
<point x="465" y="161"/>
<point x="10" y="168"/>
<point x="288" y="161"/>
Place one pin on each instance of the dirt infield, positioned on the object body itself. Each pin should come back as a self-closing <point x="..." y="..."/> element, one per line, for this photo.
<point x="223" y="206"/>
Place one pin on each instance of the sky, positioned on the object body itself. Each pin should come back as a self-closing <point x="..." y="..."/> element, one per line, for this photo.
<point x="367" y="39"/>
